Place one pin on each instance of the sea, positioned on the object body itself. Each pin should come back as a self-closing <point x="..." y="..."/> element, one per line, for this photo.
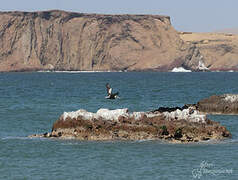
<point x="30" y="102"/>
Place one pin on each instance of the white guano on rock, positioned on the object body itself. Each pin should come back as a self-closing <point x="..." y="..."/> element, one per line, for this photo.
<point x="231" y="98"/>
<point x="105" y="114"/>
<point x="189" y="114"/>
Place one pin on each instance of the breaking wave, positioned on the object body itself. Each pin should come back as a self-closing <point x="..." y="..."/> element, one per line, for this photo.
<point x="180" y="69"/>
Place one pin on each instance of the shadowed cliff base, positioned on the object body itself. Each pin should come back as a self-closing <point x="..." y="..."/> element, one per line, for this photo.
<point x="69" y="41"/>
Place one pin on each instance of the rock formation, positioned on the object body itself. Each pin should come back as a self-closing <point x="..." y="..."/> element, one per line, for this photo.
<point x="213" y="51"/>
<point x="59" y="40"/>
<point x="170" y="124"/>
<point x="219" y="104"/>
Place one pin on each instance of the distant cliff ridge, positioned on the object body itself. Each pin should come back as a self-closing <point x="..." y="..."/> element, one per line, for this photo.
<point x="59" y="40"/>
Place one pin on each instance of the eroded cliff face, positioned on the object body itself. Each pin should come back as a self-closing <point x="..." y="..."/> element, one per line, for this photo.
<point x="212" y="51"/>
<point x="61" y="40"/>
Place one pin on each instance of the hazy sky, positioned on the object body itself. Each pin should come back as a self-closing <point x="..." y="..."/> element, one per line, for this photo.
<point x="186" y="15"/>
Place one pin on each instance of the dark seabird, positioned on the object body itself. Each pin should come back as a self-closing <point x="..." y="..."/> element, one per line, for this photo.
<point x="110" y="95"/>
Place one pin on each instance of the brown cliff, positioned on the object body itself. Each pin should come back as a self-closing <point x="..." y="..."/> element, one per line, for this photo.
<point x="215" y="51"/>
<point x="60" y="40"/>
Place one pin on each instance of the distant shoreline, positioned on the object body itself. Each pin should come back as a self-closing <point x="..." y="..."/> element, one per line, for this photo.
<point x="188" y="71"/>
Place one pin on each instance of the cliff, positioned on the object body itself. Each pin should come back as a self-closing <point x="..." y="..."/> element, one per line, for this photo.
<point x="59" y="40"/>
<point x="217" y="51"/>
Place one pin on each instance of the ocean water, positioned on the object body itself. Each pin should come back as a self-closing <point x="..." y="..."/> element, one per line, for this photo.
<point x="31" y="102"/>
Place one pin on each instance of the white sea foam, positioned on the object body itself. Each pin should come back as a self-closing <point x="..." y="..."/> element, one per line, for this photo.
<point x="201" y="66"/>
<point x="180" y="69"/>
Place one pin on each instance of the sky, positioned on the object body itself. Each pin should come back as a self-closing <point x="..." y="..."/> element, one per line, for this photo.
<point x="186" y="15"/>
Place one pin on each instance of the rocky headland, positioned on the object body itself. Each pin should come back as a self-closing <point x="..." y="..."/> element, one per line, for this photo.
<point x="58" y="40"/>
<point x="175" y="125"/>
<point x="217" y="51"/>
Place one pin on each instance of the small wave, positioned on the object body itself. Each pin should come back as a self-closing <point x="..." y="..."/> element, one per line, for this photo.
<point x="180" y="69"/>
<point x="235" y="141"/>
<point x="15" y="137"/>
<point x="20" y="138"/>
<point x="215" y="141"/>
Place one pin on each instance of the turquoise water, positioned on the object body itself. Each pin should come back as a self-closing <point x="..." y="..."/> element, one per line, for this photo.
<point x="31" y="102"/>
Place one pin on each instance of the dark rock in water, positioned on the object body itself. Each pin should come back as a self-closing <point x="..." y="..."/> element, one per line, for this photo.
<point x="171" y="109"/>
<point x="180" y="125"/>
<point x="166" y="109"/>
<point x="219" y="104"/>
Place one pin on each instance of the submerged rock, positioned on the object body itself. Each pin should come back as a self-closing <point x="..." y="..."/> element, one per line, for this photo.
<point x="177" y="125"/>
<point x="219" y="104"/>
